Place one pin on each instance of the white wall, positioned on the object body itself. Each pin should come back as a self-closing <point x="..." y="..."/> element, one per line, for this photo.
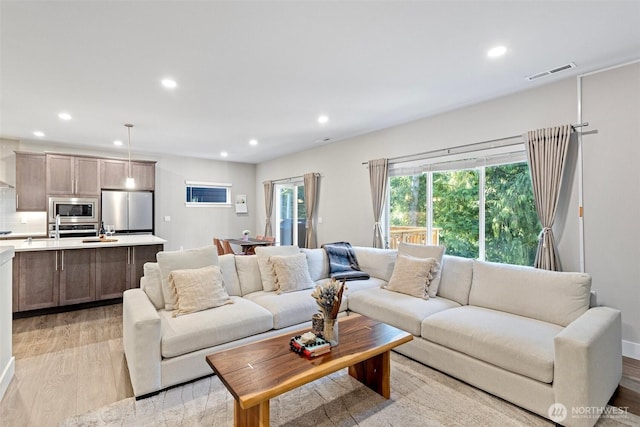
<point x="611" y="103"/>
<point x="189" y="227"/>
<point x="611" y="195"/>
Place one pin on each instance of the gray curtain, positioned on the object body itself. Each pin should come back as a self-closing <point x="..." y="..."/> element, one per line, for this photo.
<point x="378" y="171"/>
<point x="311" y="182"/>
<point x="268" y="205"/>
<point x="547" y="153"/>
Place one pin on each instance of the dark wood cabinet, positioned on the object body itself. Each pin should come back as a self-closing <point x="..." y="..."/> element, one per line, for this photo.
<point x="70" y="175"/>
<point x="113" y="174"/>
<point x="77" y="269"/>
<point x="30" y="178"/>
<point x="43" y="279"/>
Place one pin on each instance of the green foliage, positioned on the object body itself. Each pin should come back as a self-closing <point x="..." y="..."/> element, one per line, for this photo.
<point x="511" y="223"/>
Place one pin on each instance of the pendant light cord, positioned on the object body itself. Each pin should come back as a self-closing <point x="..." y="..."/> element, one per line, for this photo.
<point x="129" y="126"/>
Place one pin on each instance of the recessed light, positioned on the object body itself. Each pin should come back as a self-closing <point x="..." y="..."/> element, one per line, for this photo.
<point x="117" y="142"/>
<point x="64" y="116"/>
<point x="224" y="154"/>
<point x="38" y="133"/>
<point x="496" y="51"/>
<point x="253" y="142"/>
<point x="169" y="83"/>
<point x="323" y="119"/>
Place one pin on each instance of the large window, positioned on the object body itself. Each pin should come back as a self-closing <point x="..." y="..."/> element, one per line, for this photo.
<point x="207" y="194"/>
<point x="485" y="212"/>
<point x="291" y="215"/>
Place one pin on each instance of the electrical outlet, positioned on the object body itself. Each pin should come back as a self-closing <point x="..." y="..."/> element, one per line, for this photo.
<point x="167" y="218"/>
<point x="23" y="220"/>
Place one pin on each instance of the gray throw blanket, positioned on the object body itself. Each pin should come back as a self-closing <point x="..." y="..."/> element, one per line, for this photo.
<point x="343" y="263"/>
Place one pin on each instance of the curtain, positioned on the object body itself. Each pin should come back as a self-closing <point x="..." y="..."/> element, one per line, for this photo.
<point x="378" y="171"/>
<point x="268" y="205"/>
<point x="311" y="181"/>
<point x="547" y="153"/>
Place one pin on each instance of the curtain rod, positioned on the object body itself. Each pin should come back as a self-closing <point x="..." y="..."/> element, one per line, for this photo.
<point x="465" y="148"/>
<point x="289" y="179"/>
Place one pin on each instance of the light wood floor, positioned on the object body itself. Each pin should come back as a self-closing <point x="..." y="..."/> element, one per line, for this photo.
<point x="71" y="363"/>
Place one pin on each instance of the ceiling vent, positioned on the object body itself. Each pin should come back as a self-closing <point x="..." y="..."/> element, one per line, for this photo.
<point x="552" y="71"/>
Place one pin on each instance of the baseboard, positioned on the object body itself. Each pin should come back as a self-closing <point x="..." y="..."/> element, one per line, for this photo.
<point x="631" y="349"/>
<point x="7" y="375"/>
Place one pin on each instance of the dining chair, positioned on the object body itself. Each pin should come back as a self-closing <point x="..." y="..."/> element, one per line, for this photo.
<point x="270" y="239"/>
<point x="219" y="246"/>
<point x="259" y="237"/>
<point x="227" y="247"/>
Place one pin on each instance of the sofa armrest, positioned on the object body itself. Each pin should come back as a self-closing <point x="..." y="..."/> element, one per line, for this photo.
<point x="588" y="364"/>
<point x="141" y="335"/>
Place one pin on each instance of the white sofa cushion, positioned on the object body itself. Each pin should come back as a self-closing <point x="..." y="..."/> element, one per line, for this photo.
<point x="549" y="296"/>
<point x="514" y="343"/>
<point x="266" y="268"/>
<point x="292" y="273"/>
<point x="412" y="275"/>
<point x="181" y="260"/>
<point x="426" y="251"/>
<point x="376" y="262"/>
<point x="228" y="267"/>
<point x="198" y="289"/>
<point x="318" y="263"/>
<point x="208" y="328"/>
<point x="455" y="278"/>
<point x="248" y="273"/>
<point x="396" y="309"/>
<point x="151" y="284"/>
<point x="287" y="309"/>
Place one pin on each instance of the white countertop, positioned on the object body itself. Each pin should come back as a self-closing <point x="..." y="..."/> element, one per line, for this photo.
<point x="22" y="245"/>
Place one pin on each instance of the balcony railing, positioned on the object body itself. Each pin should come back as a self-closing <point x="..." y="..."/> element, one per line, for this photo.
<point x="416" y="235"/>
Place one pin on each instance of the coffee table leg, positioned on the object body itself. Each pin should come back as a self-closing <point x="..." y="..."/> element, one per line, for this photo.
<point x="256" y="416"/>
<point x="374" y="373"/>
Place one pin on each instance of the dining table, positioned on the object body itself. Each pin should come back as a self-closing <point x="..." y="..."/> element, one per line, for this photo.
<point x="249" y="244"/>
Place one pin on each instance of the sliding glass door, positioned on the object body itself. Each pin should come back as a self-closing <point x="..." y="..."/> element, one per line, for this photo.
<point x="291" y="216"/>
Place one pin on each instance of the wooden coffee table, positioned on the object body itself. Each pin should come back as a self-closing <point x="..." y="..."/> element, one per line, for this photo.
<point x="254" y="373"/>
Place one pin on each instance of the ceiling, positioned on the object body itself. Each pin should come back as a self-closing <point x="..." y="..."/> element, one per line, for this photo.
<point x="266" y="70"/>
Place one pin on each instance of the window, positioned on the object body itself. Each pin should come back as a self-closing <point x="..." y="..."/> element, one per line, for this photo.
<point x="291" y="214"/>
<point x="207" y="194"/>
<point x="483" y="208"/>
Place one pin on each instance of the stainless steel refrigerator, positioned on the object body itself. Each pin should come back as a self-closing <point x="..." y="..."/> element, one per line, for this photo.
<point x="128" y="211"/>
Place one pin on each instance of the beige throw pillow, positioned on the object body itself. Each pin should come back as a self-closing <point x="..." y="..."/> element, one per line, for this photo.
<point x="198" y="289"/>
<point x="292" y="272"/>
<point x="425" y="251"/>
<point x="412" y="276"/>
<point x="266" y="269"/>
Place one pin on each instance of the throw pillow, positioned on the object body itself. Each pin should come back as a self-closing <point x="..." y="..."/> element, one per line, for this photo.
<point x="169" y="261"/>
<point x="292" y="273"/>
<point x="425" y="251"/>
<point x="412" y="276"/>
<point x="198" y="289"/>
<point x="266" y="269"/>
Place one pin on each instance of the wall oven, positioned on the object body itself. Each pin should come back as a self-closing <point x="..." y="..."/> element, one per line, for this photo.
<point x="74" y="210"/>
<point x="76" y="229"/>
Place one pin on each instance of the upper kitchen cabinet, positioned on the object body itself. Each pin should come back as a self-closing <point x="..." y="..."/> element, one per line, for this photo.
<point x="113" y="174"/>
<point x="70" y="175"/>
<point x="30" y="176"/>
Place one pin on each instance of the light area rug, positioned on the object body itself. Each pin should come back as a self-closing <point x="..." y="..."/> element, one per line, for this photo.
<point x="420" y="396"/>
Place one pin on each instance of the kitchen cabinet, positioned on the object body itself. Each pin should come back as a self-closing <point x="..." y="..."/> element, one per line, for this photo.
<point x="113" y="174"/>
<point x="30" y="178"/>
<point x="77" y="269"/>
<point x="72" y="175"/>
<point x="141" y="255"/>
<point x="112" y="272"/>
<point x="38" y="279"/>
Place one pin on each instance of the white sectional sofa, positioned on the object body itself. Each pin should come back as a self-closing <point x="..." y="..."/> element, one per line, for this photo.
<point x="529" y="336"/>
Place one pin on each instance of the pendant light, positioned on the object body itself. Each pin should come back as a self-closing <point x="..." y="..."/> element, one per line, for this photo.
<point x="130" y="182"/>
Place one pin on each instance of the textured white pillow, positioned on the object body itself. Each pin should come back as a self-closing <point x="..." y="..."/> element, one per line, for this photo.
<point x="292" y="272"/>
<point x="266" y="269"/>
<point x="198" y="289"/>
<point x="425" y="251"/>
<point x="181" y="260"/>
<point x="412" y="276"/>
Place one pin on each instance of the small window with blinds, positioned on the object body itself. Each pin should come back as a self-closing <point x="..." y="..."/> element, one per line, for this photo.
<point x="207" y="194"/>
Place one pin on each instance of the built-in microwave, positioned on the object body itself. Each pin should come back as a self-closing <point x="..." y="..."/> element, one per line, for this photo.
<point x="74" y="209"/>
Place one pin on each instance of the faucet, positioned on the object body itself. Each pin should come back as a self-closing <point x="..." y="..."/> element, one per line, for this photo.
<point x="58" y="227"/>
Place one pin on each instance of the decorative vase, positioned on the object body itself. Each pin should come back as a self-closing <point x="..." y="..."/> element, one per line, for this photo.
<point x="245" y="237"/>
<point x="331" y="331"/>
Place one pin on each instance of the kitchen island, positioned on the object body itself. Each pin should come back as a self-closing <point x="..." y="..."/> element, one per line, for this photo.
<point x="7" y="361"/>
<point x="50" y="273"/>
